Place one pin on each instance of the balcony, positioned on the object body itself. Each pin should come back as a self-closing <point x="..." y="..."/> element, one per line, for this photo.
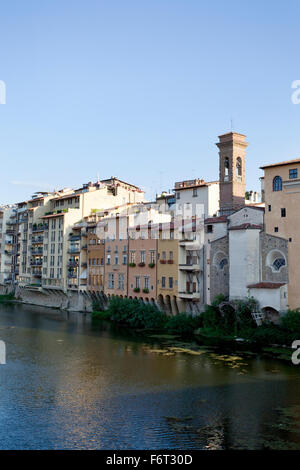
<point x="189" y="295"/>
<point x="192" y="264"/>
<point x="74" y="238"/>
<point x="36" y="263"/>
<point x="38" y="251"/>
<point x="73" y="264"/>
<point x="36" y="240"/>
<point x="74" y="250"/>
<point x="39" y="227"/>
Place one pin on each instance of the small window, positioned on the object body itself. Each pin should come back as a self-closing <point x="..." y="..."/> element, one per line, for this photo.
<point x="269" y="208"/>
<point x="275" y="229"/>
<point x="209" y="228"/>
<point x="177" y="195"/>
<point x="163" y="282"/>
<point x="277" y="183"/>
<point x="290" y="239"/>
<point x="195" y="192"/>
<point x="278" y="263"/>
<point x="293" y="173"/>
<point x="223" y="263"/>
<point x="283" y="212"/>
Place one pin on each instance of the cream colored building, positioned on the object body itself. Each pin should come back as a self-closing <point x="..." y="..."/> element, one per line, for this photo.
<point x="48" y="244"/>
<point x="282" y="199"/>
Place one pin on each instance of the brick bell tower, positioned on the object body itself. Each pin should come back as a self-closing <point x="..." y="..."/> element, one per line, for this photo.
<point x="232" y="154"/>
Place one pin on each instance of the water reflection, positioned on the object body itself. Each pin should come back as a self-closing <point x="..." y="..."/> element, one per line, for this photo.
<point x="71" y="384"/>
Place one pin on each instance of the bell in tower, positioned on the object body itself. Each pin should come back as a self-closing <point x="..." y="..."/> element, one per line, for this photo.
<point x="232" y="153"/>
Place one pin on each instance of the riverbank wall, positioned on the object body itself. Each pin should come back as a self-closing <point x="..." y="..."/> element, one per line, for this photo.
<point x="75" y="301"/>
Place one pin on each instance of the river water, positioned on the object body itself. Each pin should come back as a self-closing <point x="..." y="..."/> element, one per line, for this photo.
<point x="71" y="384"/>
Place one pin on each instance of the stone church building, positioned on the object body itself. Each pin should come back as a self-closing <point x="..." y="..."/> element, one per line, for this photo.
<point x="241" y="258"/>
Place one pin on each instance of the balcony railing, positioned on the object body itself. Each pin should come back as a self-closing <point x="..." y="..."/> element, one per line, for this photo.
<point x="37" y="240"/>
<point x="39" y="227"/>
<point x="74" y="238"/>
<point x="38" y="251"/>
<point x="74" y="250"/>
<point x="73" y="264"/>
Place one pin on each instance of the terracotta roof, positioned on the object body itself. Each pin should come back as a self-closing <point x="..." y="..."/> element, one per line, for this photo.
<point x="246" y="227"/>
<point x="198" y="185"/>
<point x="216" y="220"/>
<point x="53" y="215"/>
<point x="287" y="162"/>
<point x="266" y="285"/>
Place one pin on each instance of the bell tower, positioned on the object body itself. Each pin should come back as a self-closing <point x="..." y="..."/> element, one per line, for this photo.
<point x="232" y="154"/>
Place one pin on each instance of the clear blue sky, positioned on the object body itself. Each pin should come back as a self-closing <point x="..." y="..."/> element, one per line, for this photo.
<point x="141" y="89"/>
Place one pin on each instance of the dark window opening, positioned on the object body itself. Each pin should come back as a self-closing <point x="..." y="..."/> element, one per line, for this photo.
<point x="293" y="173"/>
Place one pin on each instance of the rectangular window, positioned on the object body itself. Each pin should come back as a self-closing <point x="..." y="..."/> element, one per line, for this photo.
<point x="152" y="257"/>
<point x="163" y="282"/>
<point x="108" y="259"/>
<point x="132" y="257"/>
<point x="121" y="281"/>
<point x="137" y="282"/>
<point x="116" y="259"/>
<point x="283" y="212"/>
<point x="170" y="283"/>
<point x="269" y="208"/>
<point x="143" y="256"/>
<point x="111" y="281"/>
<point x="171" y="255"/>
<point x="209" y="229"/>
<point x="275" y="229"/>
<point x="195" y="192"/>
<point x="177" y="195"/>
<point x="293" y="173"/>
<point x="125" y="259"/>
<point x="146" y="282"/>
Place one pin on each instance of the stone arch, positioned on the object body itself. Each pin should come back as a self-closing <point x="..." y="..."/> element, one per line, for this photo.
<point x="226" y="168"/>
<point x="167" y="303"/>
<point x="271" y="314"/>
<point x="219" y="260"/>
<point x="238" y="167"/>
<point x="174" y="306"/>
<point x="160" y="301"/>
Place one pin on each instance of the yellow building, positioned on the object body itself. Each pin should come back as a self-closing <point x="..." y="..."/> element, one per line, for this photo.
<point x="282" y="199"/>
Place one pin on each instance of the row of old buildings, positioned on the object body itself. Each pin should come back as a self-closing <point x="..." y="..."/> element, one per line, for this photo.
<point x="197" y="241"/>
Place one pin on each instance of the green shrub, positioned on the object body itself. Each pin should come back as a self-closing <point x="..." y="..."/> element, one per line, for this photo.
<point x="136" y="314"/>
<point x="101" y="315"/>
<point x="183" y="324"/>
<point x="291" y="321"/>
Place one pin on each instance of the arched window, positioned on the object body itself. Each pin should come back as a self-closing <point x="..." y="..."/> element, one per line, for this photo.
<point x="223" y="263"/>
<point x="276" y="260"/>
<point x="239" y="166"/>
<point x="278" y="263"/>
<point x="277" y="183"/>
<point x="226" y="169"/>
